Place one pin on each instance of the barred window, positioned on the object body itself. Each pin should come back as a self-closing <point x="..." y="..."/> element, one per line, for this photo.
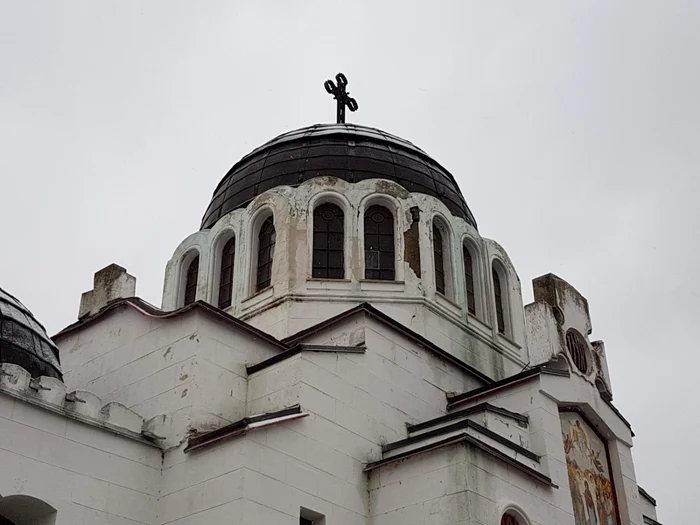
<point x="191" y="281"/>
<point x="266" y="252"/>
<point x="226" y="275"/>
<point x="497" y="292"/>
<point x="379" y="244"/>
<point x="328" y="244"/>
<point x="577" y="345"/>
<point x="439" y="260"/>
<point x="469" y="280"/>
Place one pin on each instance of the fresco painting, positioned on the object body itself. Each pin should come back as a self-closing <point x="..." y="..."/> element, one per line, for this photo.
<point x="589" y="475"/>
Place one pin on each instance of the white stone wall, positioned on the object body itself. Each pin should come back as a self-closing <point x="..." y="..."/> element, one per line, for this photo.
<point x="191" y="368"/>
<point x="87" y="475"/>
<point x="648" y="509"/>
<point x="355" y="401"/>
<point x="459" y="485"/>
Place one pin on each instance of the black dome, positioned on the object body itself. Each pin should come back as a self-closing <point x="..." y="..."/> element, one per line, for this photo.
<point x="346" y="151"/>
<point x="23" y="341"/>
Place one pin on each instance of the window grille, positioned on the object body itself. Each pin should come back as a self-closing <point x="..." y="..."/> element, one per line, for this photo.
<point x="266" y="252"/>
<point x="439" y="260"/>
<point x="226" y="275"/>
<point x="469" y="279"/>
<point x="379" y="244"/>
<point x="500" y="320"/>
<point x="191" y="281"/>
<point x="577" y="345"/>
<point x="328" y="243"/>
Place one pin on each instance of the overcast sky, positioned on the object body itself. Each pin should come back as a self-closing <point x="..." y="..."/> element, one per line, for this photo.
<point x="572" y="127"/>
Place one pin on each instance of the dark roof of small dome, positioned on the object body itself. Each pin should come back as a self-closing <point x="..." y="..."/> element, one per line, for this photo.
<point x="23" y="341"/>
<point x="346" y="151"/>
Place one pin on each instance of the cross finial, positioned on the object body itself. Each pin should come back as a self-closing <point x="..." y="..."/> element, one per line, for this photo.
<point x="341" y="96"/>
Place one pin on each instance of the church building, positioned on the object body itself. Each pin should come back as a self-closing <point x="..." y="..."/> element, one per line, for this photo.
<point x="336" y="345"/>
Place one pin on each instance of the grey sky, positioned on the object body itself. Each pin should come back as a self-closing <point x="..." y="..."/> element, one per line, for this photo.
<point x="572" y="128"/>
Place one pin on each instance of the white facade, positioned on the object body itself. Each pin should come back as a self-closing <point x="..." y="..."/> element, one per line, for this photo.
<point x="346" y="401"/>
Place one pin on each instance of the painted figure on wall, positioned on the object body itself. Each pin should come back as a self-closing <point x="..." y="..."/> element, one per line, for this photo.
<point x="589" y="476"/>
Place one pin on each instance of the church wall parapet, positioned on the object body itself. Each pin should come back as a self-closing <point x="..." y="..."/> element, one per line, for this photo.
<point x="50" y="394"/>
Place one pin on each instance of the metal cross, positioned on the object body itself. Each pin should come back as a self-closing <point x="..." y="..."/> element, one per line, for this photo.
<point x="342" y="97"/>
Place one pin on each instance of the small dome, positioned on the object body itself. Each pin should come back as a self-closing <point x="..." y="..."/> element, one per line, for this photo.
<point x="346" y="151"/>
<point x="23" y="341"/>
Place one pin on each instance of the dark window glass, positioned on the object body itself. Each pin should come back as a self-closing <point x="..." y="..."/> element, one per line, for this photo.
<point x="499" y="302"/>
<point x="226" y="276"/>
<point x="439" y="262"/>
<point x="509" y="519"/>
<point x="469" y="279"/>
<point x="302" y="521"/>
<point x="191" y="281"/>
<point x="379" y="244"/>
<point x="329" y="239"/>
<point x="577" y="349"/>
<point x="266" y="251"/>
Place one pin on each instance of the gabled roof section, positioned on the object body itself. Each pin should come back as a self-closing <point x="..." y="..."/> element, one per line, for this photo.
<point x="149" y="310"/>
<point x="372" y="312"/>
<point x="503" y="383"/>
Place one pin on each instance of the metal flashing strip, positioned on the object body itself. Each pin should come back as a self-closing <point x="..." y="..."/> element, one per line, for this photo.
<point x="646" y="495"/>
<point x="503" y="383"/>
<point x="297" y="349"/>
<point x="481" y="407"/>
<point x="149" y="310"/>
<point x="467" y="423"/>
<point x="245" y="425"/>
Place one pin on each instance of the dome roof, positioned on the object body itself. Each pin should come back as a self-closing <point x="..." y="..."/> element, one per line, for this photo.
<point x="346" y="151"/>
<point x="23" y="341"/>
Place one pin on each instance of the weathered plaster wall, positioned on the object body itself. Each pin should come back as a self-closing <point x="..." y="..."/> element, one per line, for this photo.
<point x="295" y="301"/>
<point x="88" y="475"/>
<point x="559" y="307"/>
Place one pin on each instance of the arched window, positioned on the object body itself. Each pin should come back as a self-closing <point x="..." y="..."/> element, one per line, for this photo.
<point x="191" y="281"/>
<point x="226" y="274"/>
<point x="266" y="252"/>
<point x="509" y="519"/>
<point x="439" y="260"/>
<point x="379" y="244"/>
<point x="329" y="238"/>
<point x="498" y="293"/>
<point x="469" y="280"/>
